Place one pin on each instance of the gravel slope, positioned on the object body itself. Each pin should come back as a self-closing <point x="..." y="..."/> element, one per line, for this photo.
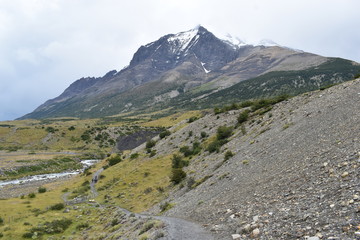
<point x="295" y="173"/>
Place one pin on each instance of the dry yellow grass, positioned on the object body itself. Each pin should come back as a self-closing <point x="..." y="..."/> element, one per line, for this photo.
<point x="135" y="184"/>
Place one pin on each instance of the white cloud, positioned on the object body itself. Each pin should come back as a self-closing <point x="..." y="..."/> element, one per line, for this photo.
<point x="47" y="44"/>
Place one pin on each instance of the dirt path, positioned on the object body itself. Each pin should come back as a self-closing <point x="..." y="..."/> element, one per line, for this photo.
<point x="94" y="180"/>
<point x="176" y="228"/>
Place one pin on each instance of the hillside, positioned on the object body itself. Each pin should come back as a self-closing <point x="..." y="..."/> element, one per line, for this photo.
<point x="267" y="169"/>
<point x="294" y="170"/>
<point x="180" y="71"/>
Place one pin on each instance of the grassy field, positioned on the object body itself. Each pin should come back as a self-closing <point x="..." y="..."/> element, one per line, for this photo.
<point x="136" y="184"/>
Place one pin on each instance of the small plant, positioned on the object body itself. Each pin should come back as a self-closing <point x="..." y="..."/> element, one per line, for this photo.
<point x="160" y="189"/>
<point x="114" y="159"/>
<point x="164" y="134"/>
<point x="82" y="226"/>
<point x="224" y="132"/>
<point x="150" y="143"/>
<point x="147" y="226"/>
<point x="245" y="162"/>
<point x="228" y="155"/>
<point x="1" y="235"/>
<point x="178" y="162"/>
<point x="177" y="175"/>
<point x="57" y="206"/>
<point x="165" y="206"/>
<point x="243" y="116"/>
<point x="203" y="134"/>
<point x="192" y="119"/>
<point x="42" y="190"/>
<point x="114" y="222"/>
<point x="152" y="153"/>
<point x="134" y="155"/>
<point x="32" y="195"/>
<point x="1" y="221"/>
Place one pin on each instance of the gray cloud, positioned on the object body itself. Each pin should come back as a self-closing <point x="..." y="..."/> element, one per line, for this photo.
<point x="45" y="45"/>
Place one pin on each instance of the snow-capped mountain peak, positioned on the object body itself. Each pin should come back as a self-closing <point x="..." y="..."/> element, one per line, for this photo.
<point x="267" y="43"/>
<point x="235" y="42"/>
<point x="183" y="40"/>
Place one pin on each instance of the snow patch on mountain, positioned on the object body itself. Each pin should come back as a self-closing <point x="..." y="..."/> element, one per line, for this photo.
<point x="181" y="41"/>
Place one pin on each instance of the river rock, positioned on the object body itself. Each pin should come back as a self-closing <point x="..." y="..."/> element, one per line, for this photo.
<point x="236" y="236"/>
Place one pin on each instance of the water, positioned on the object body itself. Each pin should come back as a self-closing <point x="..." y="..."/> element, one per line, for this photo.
<point x="85" y="163"/>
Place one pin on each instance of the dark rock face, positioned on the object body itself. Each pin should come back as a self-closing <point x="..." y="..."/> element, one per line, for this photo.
<point x="134" y="140"/>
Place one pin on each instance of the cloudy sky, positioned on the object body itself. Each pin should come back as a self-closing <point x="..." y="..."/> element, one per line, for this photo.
<point x="45" y="45"/>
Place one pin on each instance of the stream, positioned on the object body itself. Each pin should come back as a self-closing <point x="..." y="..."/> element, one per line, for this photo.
<point x="85" y="163"/>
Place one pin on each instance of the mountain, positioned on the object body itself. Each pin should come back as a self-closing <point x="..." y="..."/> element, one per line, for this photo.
<point x="184" y="70"/>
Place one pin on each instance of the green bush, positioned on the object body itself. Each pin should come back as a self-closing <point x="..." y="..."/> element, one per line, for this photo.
<point x="54" y="227"/>
<point x="224" y="132"/>
<point x="177" y="175"/>
<point x="228" y="155"/>
<point x="42" y="190"/>
<point x="82" y="226"/>
<point x="192" y="119"/>
<point x="243" y="116"/>
<point x="178" y="162"/>
<point x="57" y="206"/>
<point x="203" y="134"/>
<point x="147" y="226"/>
<point x="150" y="143"/>
<point x="165" y="206"/>
<point x="134" y="155"/>
<point x="114" y="159"/>
<point x="152" y="153"/>
<point x="32" y="195"/>
<point x="165" y="133"/>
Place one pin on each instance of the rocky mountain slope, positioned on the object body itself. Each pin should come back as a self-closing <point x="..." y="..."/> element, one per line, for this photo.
<point x="293" y="172"/>
<point x="186" y="67"/>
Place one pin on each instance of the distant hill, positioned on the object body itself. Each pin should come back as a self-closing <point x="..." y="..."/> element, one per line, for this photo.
<point x="195" y="69"/>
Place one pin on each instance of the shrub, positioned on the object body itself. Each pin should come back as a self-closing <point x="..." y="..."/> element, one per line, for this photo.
<point x="152" y="153"/>
<point x="203" y="134"/>
<point x="147" y="226"/>
<point x="114" y="222"/>
<point x="224" y="132"/>
<point x="178" y="162"/>
<point x="54" y="227"/>
<point x="32" y="195"/>
<point x="243" y="116"/>
<point x="150" y="143"/>
<point x="1" y="221"/>
<point x="177" y="175"/>
<point x="50" y="129"/>
<point x="1" y="235"/>
<point x="216" y="145"/>
<point x="134" y="155"/>
<point x="42" y="190"/>
<point x="57" y="206"/>
<point x="228" y="155"/>
<point x="82" y="226"/>
<point x="165" y="206"/>
<point x="114" y="159"/>
<point x="72" y="128"/>
<point x="165" y="133"/>
<point x="186" y="151"/>
<point x="192" y="119"/>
